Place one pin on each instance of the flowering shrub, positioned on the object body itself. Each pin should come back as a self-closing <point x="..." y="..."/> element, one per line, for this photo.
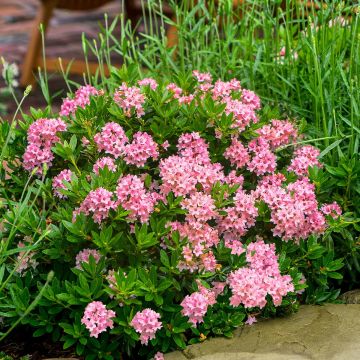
<point x="167" y="215"/>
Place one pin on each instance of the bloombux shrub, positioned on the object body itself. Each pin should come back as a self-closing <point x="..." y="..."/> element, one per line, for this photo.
<point x="165" y="214"/>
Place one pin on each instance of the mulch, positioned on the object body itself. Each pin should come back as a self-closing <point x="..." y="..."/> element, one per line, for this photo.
<point x="21" y="343"/>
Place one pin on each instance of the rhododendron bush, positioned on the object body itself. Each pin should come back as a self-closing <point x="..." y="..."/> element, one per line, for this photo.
<point x="168" y="214"/>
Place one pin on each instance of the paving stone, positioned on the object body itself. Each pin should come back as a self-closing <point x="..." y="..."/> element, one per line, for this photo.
<point x="329" y="332"/>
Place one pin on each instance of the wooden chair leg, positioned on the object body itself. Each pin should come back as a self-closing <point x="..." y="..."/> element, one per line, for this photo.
<point x="172" y="34"/>
<point x="34" y="49"/>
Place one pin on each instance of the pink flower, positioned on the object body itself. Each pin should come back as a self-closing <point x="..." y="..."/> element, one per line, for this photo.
<point x="238" y="220"/>
<point x="208" y="261"/>
<point x="148" y="82"/>
<point x="200" y="207"/>
<point x="42" y="135"/>
<point x="68" y="107"/>
<point x="102" y="162"/>
<point x="176" y="174"/>
<point x="263" y="160"/>
<point x="250" y="99"/>
<point x="334" y="210"/>
<point x="82" y="95"/>
<point x="243" y="115"/>
<point x="141" y="149"/>
<point x="305" y="157"/>
<point x="85" y="141"/>
<point x="130" y="99"/>
<point x="97" y="318"/>
<point x="146" y="323"/>
<point x="112" y="139"/>
<point x="181" y="174"/>
<point x="81" y="99"/>
<point x="159" y="356"/>
<point x="218" y="287"/>
<point x="294" y="209"/>
<point x="133" y="196"/>
<point x="186" y="99"/>
<point x="250" y="320"/>
<point x="165" y="145"/>
<point x="223" y="90"/>
<point x="43" y="132"/>
<point x="58" y="182"/>
<point x="195" y="307"/>
<point x="99" y="203"/>
<point x="175" y="90"/>
<point x="202" y="77"/>
<point x="237" y="154"/>
<point x="84" y="256"/>
<point x="36" y="157"/>
<point x="278" y="133"/>
<point x="24" y="260"/>
<point x="233" y="179"/>
<point x="250" y="285"/>
<point x="194" y="148"/>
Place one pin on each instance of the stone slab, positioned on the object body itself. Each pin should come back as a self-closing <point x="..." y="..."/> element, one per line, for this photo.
<point x="330" y="332"/>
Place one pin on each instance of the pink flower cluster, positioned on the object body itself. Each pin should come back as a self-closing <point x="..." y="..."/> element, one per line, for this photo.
<point x="141" y="149"/>
<point x="130" y="99"/>
<point x="97" y="318"/>
<point x="58" y="182"/>
<point x="223" y="90"/>
<point x="183" y="172"/>
<point x="294" y="208"/>
<point x="197" y="254"/>
<point x="98" y="202"/>
<point x="175" y="90"/>
<point x="334" y="210"/>
<point x="305" y="157"/>
<point x="263" y="160"/>
<point x="237" y="154"/>
<point x="133" y="196"/>
<point x="42" y="135"/>
<point x="243" y="114"/>
<point x="159" y="356"/>
<point x="24" y="260"/>
<point x="278" y="133"/>
<point x="84" y="255"/>
<point x="149" y="82"/>
<point x="250" y="285"/>
<point x="250" y="99"/>
<point x="146" y="323"/>
<point x="195" y="306"/>
<point x="239" y="219"/>
<point x="102" y="162"/>
<point x="112" y="139"/>
<point x="81" y="99"/>
<point x="200" y="207"/>
<point x="202" y="77"/>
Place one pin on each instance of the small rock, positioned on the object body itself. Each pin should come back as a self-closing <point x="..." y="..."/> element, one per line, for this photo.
<point x="351" y="297"/>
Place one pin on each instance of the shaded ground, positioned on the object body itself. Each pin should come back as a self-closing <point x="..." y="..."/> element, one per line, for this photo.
<point x="17" y="345"/>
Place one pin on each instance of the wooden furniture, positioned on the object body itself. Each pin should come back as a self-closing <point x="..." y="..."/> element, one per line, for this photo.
<point x="33" y="57"/>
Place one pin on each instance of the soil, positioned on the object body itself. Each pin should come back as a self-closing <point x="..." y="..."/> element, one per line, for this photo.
<point x="21" y="343"/>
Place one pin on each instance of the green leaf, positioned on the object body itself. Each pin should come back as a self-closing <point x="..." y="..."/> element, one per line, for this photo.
<point x="335" y="275"/>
